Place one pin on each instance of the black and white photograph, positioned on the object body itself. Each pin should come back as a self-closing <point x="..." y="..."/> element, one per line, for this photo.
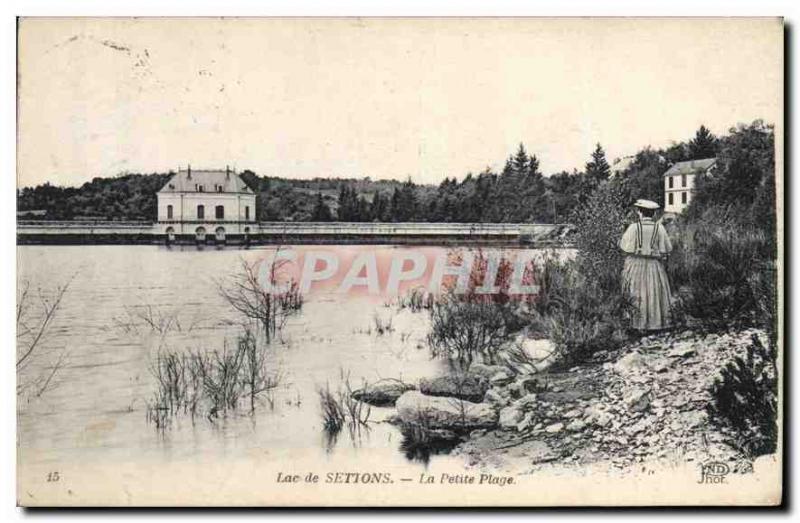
<point x="394" y="262"/>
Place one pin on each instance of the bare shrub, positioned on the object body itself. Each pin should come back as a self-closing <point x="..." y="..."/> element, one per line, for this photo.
<point x="35" y="317"/>
<point x="255" y="374"/>
<point x="161" y="320"/>
<point x="257" y="300"/>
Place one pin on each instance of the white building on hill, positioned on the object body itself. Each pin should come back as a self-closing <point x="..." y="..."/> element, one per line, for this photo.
<point x="200" y="203"/>
<point x="679" y="182"/>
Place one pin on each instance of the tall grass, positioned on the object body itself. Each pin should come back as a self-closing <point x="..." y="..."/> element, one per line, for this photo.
<point x="338" y="408"/>
<point x="212" y="382"/>
<point x="417" y="300"/>
<point x="382" y="326"/>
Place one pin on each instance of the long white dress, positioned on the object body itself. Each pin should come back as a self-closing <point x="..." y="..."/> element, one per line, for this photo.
<point x="644" y="276"/>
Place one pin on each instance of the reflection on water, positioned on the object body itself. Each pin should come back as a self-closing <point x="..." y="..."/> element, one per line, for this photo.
<point x="128" y="303"/>
<point x="415" y="449"/>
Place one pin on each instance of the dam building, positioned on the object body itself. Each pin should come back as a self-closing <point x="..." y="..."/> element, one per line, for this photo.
<point x="205" y="204"/>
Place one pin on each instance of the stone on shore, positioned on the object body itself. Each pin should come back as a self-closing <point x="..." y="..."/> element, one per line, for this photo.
<point x="468" y="387"/>
<point x="382" y="393"/>
<point x="415" y="408"/>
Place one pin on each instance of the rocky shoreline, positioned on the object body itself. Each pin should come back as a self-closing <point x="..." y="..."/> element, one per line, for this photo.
<point x="642" y="405"/>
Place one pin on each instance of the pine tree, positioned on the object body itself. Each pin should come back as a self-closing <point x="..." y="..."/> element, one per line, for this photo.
<point x="520" y="162"/>
<point x="533" y="167"/>
<point x="379" y="207"/>
<point x="348" y="204"/>
<point x="395" y="205"/>
<point x="321" y="212"/>
<point x="598" y="169"/>
<point x="704" y="144"/>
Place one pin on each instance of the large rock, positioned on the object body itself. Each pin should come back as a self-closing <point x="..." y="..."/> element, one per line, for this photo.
<point x="519" y="414"/>
<point x="415" y="408"/>
<point x="540" y="352"/>
<point x="468" y="387"/>
<point x="486" y="371"/>
<point x="382" y="393"/>
<point x="495" y="397"/>
<point x="637" y="400"/>
<point x="510" y="417"/>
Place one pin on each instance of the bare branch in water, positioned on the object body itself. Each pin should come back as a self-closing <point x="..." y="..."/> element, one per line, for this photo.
<point x="259" y="301"/>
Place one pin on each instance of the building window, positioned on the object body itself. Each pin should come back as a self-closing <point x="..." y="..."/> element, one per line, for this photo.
<point x="683" y="180"/>
<point x="683" y="197"/>
<point x="201" y="212"/>
<point x="169" y="212"/>
<point x="219" y="212"/>
<point x="671" y="181"/>
<point x="219" y="188"/>
<point x="247" y="212"/>
<point x="200" y="188"/>
<point x="669" y="197"/>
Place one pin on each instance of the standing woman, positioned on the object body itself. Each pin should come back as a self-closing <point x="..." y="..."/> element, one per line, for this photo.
<point x="646" y="244"/>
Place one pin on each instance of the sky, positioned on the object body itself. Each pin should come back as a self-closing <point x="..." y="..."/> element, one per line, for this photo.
<point x="385" y="98"/>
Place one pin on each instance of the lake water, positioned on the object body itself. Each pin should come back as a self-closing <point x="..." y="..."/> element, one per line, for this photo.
<point x="95" y="410"/>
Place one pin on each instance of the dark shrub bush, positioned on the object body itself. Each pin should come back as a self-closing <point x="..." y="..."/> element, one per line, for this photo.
<point x="581" y="306"/>
<point x="464" y="330"/>
<point x="722" y="272"/>
<point x="600" y="223"/>
<point x="577" y="314"/>
<point x="746" y="399"/>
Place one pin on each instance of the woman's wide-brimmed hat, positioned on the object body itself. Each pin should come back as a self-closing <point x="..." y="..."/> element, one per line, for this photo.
<point x="646" y="204"/>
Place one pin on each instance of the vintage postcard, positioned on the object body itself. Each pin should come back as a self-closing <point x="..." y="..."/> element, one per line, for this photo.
<point x="446" y="262"/>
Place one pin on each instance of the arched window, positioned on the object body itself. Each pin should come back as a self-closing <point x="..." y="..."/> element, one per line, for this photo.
<point x="201" y="212"/>
<point x="219" y="212"/>
<point x="169" y="212"/>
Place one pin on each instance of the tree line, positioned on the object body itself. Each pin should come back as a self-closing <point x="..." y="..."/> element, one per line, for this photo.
<point x="518" y="193"/>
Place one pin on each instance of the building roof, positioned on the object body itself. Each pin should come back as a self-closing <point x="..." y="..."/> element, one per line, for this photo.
<point x="622" y="164"/>
<point x="190" y="179"/>
<point x="691" y="167"/>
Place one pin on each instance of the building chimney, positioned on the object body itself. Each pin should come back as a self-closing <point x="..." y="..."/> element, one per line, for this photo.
<point x="189" y="172"/>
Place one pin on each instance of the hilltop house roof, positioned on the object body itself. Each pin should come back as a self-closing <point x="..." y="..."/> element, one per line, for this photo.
<point x="622" y="164"/>
<point x="691" y="167"/>
<point x="211" y="180"/>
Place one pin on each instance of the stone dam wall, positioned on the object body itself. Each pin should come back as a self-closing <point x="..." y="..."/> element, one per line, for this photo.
<point x="76" y="232"/>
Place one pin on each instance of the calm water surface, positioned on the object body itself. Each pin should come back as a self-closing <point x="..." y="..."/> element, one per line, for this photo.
<point x="96" y="409"/>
